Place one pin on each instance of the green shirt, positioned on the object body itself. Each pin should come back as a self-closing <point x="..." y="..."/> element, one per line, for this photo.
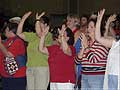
<point x="35" y="57"/>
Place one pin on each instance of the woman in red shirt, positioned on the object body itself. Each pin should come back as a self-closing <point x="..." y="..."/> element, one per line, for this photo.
<point x="61" y="58"/>
<point x="16" y="47"/>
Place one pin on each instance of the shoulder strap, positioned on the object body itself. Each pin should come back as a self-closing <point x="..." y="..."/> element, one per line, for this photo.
<point x="11" y="42"/>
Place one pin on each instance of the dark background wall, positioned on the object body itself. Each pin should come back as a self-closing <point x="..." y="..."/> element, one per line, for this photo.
<point x="57" y="8"/>
<point x="21" y="6"/>
<point x="111" y="6"/>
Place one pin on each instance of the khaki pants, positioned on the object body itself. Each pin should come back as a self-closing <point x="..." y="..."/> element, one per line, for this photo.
<point x="37" y="78"/>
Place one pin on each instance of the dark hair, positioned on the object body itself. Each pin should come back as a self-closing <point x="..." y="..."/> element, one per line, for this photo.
<point x="45" y="19"/>
<point x="117" y="37"/>
<point x="71" y="15"/>
<point x="12" y="27"/>
<point x="92" y="20"/>
<point x="55" y="33"/>
<point x="102" y="28"/>
<point x="71" y="36"/>
<point x="84" y="16"/>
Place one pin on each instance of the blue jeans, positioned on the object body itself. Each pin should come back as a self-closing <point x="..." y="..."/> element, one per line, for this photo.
<point x="78" y="75"/>
<point x="112" y="82"/>
<point x="92" y="82"/>
<point x="14" y="83"/>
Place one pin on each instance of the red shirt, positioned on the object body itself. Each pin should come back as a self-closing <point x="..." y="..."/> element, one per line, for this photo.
<point x="16" y="48"/>
<point x="117" y="31"/>
<point x="74" y="31"/>
<point x="62" y="66"/>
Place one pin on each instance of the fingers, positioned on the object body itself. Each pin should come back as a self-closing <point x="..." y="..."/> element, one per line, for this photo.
<point x="46" y="30"/>
<point x="43" y="13"/>
<point x="103" y="11"/>
<point x="62" y="30"/>
<point x="39" y="16"/>
<point x="27" y="15"/>
<point x="83" y="40"/>
<point x="100" y="14"/>
<point x="113" y="17"/>
<point x="36" y="15"/>
<point x="59" y="31"/>
<point x="82" y="36"/>
<point x="44" y="27"/>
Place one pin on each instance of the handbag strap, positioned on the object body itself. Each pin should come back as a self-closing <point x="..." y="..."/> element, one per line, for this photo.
<point x="11" y="42"/>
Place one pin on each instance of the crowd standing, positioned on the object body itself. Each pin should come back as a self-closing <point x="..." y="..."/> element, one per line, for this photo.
<point x="82" y="53"/>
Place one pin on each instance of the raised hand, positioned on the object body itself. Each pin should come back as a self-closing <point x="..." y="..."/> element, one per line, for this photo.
<point x="39" y="16"/>
<point x="45" y="29"/>
<point x="100" y="14"/>
<point x="110" y="19"/>
<point x="61" y="32"/>
<point x="83" y="40"/>
<point x="26" y="15"/>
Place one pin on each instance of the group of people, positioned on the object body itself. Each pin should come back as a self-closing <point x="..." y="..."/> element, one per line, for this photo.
<point x="78" y="54"/>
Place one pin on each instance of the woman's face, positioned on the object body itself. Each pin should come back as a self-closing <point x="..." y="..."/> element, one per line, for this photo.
<point x="70" y="22"/>
<point x="83" y="21"/>
<point x="91" y="29"/>
<point x="65" y="36"/>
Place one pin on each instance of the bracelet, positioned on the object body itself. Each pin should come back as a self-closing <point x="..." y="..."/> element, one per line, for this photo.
<point x="37" y="20"/>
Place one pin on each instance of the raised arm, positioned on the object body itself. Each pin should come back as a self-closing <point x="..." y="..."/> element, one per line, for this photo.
<point x="42" y="47"/>
<point x="20" y="26"/>
<point x="84" y="43"/>
<point x="38" y="25"/>
<point x="65" y="47"/>
<point x="108" y="26"/>
<point x="104" y="41"/>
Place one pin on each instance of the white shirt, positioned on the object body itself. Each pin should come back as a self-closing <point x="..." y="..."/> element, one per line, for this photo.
<point x="113" y="63"/>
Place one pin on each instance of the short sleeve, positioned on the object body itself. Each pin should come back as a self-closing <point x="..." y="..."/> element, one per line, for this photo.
<point x="30" y="36"/>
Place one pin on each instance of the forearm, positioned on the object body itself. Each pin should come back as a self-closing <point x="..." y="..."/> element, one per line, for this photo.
<point x="20" y="27"/>
<point x="97" y="31"/>
<point x="65" y="47"/>
<point x="3" y="49"/>
<point x="42" y="47"/>
<point x="104" y="41"/>
<point x="79" y="57"/>
<point x="106" y="29"/>
<point x="41" y="44"/>
<point x="38" y="28"/>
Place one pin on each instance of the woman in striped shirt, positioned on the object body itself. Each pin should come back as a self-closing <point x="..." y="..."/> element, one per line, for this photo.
<point x="93" y="57"/>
